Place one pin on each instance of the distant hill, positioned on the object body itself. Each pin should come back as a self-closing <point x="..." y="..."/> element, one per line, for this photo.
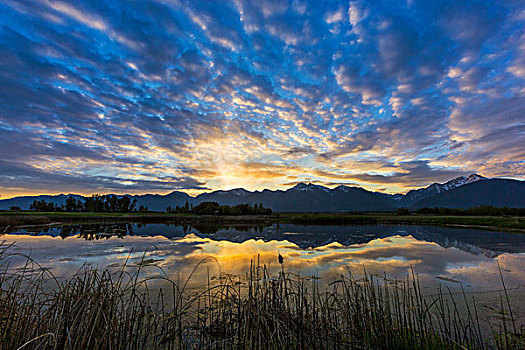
<point x="495" y="192"/>
<point x="305" y="198"/>
<point x="158" y="202"/>
<point x="25" y="201"/>
<point x="436" y="188"/>
<point x="154" y="202"/>
<point x="462" y="192"/>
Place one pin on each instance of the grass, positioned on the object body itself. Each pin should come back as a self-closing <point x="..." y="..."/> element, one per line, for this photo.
<point x="19" y="218"/>
<point x="508" y="223"/>
<point x="118" y="309"/>
<point x="503" y="223"/>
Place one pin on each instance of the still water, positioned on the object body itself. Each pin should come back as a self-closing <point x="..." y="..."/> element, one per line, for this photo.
<point x="458" y="258"/>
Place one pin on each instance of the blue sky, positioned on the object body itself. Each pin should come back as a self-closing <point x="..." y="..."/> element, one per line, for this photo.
<point x="155" y="96"/>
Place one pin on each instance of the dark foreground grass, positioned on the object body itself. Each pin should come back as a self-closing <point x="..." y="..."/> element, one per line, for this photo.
<point x="101" y="309"/>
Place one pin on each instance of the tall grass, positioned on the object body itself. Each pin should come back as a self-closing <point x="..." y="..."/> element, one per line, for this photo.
<point x="102" y="309"/>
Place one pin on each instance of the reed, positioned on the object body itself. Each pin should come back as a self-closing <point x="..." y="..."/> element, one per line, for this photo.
<point x="118" y="309"/>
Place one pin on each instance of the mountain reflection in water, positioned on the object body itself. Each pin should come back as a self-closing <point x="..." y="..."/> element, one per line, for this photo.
<point x="487" y="243"/>
<point x="437" y="255"/>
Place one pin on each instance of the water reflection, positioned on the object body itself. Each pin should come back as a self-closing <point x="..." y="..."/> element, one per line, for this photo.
<point x="487" y="243"/>
<point x="458" y="258"/>
<point x="437" y="254"/>
<point x="393" y="255"/>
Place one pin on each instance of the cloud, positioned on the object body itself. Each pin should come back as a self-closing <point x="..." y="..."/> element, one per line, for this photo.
<point x="38" y="179"/>
<point x="168" y="94"/>
<point x="352" y="80"/>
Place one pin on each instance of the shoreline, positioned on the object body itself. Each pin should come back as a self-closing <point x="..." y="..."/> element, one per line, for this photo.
<point x="488" y="223"/>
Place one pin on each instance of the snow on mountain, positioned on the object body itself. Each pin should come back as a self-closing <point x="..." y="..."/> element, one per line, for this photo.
<point x="437" y="188"/>
<point x="343" y="188"/>
<point x="240" y="192"/>
<point x="397" y="197"/>
<point x="460" y="181"/>
<point x="309" y="187"/>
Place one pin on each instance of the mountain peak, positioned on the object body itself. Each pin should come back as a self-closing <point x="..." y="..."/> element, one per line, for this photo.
<point x="239" y="191"/>
<point x="461" y="180"/>
<point x="177" y="193"/>
<point x="437" y="188"/>
<point x="476" y="177"/>
<point x="308" y="187"/>
<point x="300" y="185"/>
<point x="344" y="188"/>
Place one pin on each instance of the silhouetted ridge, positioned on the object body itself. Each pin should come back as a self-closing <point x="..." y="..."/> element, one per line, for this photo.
<point x="461" y="192"/>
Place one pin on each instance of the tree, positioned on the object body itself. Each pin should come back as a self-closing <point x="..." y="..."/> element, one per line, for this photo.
<point x="95" y="203"/>
<point x="213" y="208"/>
<point x="124" y="204"/>
<point x="402" y="211"/>
<point x="72" y="204"/>
<point x="42" y="205"/>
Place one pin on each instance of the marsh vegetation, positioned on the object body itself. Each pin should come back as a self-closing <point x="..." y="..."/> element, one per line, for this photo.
<point x="119" y="308"/>
<point x="487" y="222"/>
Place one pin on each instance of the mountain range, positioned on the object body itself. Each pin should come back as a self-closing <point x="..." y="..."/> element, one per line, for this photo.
<point x="462" y="192"/>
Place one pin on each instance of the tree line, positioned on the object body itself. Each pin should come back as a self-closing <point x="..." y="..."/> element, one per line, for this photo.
<point x="124" y="204"/>
<point x="95" y="203"/>
<point x="484" y="210"/>
<point x="214" y="208"/>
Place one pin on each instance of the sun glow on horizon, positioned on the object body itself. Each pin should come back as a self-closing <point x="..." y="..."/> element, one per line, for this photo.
<point x="152" y="97"/>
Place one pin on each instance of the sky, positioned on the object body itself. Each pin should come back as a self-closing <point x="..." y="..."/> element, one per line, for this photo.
<point x="154" y="96"/>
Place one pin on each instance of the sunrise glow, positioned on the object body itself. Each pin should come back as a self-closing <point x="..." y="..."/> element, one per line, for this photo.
<point x="156" y="96"/>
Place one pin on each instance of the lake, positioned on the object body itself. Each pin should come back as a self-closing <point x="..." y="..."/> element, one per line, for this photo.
<point x="457" y="258"/>
<point x="465" y="264"/>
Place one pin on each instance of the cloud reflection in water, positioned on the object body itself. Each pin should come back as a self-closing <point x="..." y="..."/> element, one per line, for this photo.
<point x="391" y="256"/>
